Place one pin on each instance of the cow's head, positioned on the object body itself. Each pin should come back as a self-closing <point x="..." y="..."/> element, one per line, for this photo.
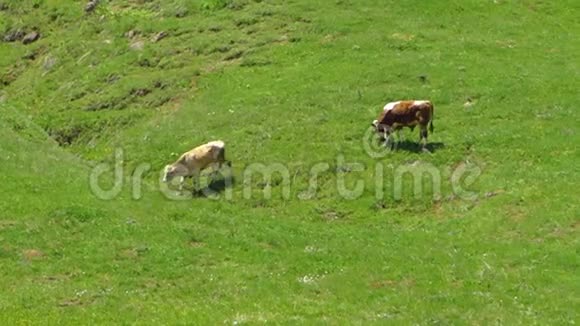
<point x="380" y="127"/>
<point x="169" y="173"/>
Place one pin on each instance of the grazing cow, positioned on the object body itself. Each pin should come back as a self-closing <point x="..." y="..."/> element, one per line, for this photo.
<point x="396" y="115"/>
<point x="191" y="163"/>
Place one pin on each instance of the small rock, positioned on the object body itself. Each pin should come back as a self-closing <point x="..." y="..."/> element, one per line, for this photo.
<point x="138" y="46"/>
<point x="490" y="194"/>
<point x="343" y="169"/>
<point x="129" y="253"/>
<point x="380" y="205"/>
<point x="196" y="244"/>
<point x="331" y="215"/>
<point x="131" y="34"/>
<point x="140" y="91"/>
<point x="31" y="37"/>
<point x="159" y="36"/>
<point x="91" y="5"/>
<point x="31" y="254"/>
<point x="29" y="56"/>
<point x="235" y="55"/>
<point x="181" y="12"/>
<point x="145" y="63"/>
<point x="469" y="103"/>
<point x="49" y="62"/>
<point x="13" y="36"/>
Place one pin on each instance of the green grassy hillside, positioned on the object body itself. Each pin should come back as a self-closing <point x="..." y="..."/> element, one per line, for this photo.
<point x="484" y="229"/>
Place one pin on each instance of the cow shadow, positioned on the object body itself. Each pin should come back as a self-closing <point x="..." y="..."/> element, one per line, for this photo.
<point x="216" y="187"/>
<point x="222" y="184"/>
<point x="415" y="147"/>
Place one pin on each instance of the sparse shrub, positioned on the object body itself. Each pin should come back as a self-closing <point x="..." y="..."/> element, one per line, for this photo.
<point x="255" y="62"/>
<point x="246" y="21"/>
<point x="65" y="136"/>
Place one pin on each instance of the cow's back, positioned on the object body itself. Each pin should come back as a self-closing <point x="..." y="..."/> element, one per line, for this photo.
<point x="202" y="156"/>
<point x="406" y="113"/>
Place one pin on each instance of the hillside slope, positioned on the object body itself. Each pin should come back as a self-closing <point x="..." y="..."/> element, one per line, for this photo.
<point x="484" y="229"/>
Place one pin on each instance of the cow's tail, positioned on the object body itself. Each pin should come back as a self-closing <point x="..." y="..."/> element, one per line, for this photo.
<point x="431" y="126"/>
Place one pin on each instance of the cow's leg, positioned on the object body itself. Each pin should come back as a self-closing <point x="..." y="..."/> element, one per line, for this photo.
<point x="181" y="181"/>
<point x="423" y="139"/>
<point x="386" y="138"/>
<point x="195" y="181"/>
<point x="220" y="164"/>
<point x="389" y="141"/>
<point x="215" y="170"/>
<point x="412" y="127"/>
<point x="380" y="138"/>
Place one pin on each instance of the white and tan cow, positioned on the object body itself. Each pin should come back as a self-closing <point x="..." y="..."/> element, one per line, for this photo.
<point x="396" y="115"/>
<point x="191" y="163"/>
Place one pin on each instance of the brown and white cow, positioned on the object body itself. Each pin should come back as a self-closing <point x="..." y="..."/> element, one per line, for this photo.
<point x="396" y="115"/>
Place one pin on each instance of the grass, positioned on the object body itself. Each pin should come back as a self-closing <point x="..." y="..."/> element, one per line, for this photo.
<point x="295" y="83"/>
